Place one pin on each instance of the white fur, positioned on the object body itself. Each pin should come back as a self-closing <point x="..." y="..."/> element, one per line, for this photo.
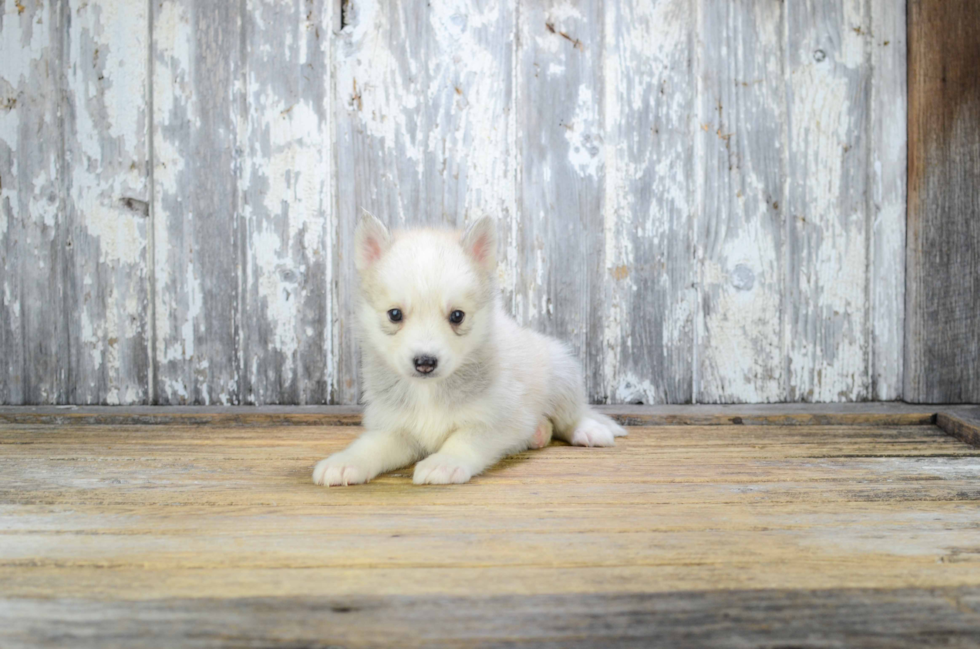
<point x="498" y="389"/>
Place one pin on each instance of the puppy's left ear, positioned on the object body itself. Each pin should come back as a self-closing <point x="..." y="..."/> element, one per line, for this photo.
<point x="480" y="243"/>
<point x="371" y="241"/>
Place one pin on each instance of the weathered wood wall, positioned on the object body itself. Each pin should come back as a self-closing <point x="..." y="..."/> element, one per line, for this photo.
<point x="943" y="332"/>
<point x="706" y="198"/>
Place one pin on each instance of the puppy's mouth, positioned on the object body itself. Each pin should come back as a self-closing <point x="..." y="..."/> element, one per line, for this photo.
<point x="424" y="374"/>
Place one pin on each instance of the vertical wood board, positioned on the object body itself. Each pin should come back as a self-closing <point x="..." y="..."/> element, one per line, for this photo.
<point x="107" y="208"/>
<point x="286" y="200"/>
<point x="559" y="111"/>
<point x="942" y="353"/>
<point x="650" y="204"/>
<point x="198" y="88"/>
<point x="35" y="333"/>
<point x="827" y="220"/>
<point x="742" y="134"/>
<point x="889" y="167"/>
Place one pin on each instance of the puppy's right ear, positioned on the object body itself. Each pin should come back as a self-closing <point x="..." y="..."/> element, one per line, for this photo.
<point x="371" y="240"/>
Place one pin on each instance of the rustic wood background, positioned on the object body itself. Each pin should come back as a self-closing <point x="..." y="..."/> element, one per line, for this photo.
<point x="706" y="198"/>
<point x="943" y="299"/>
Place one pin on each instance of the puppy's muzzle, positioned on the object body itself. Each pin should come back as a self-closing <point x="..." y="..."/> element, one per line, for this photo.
<point x="425" y="364"/>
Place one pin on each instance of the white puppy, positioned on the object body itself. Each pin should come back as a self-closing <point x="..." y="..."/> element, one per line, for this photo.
<point x="448" y="375"/>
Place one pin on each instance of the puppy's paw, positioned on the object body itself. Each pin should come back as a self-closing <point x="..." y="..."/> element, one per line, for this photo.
<point x="617" y="430"/>
<point x="542" y="435"/>
<point x="591" y="432"/>
<point x="441" y="469"/>
<point x="337" y="470"/>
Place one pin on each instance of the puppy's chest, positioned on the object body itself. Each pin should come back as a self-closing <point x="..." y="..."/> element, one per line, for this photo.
<point x="428" y="419"/>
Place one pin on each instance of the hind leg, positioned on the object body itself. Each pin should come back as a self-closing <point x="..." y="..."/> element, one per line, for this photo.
<point x="595" y="429"/>
<point x="542" y="434"/>
<point x="574" y="421"/>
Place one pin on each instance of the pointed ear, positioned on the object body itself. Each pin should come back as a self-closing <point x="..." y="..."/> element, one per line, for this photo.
<point x="480" y="243"/>
<point x="371" y="240"/>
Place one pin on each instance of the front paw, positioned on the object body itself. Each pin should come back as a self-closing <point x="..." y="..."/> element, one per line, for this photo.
<point x="441" y="469"/>
<point x="338" y="470"/>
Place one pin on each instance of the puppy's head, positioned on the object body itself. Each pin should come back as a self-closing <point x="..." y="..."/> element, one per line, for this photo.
<point x="427" y="295"/>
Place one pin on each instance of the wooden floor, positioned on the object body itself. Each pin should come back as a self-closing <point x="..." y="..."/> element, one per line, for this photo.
<point x="689" y="535"/>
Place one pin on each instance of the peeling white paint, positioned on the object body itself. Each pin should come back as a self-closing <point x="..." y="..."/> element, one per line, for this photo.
<point x="827" y="357"/>
<point x="584" y="135"/>
<point x="20" y="54"/>
<point x="445" y="137"/>
<point x="888" y="156"/>
<point x="375" y="85"/>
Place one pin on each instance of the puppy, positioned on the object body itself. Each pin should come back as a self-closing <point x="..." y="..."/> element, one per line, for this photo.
<point x="450" y="380"/>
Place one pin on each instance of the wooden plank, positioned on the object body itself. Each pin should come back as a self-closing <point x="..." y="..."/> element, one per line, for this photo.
<point x="560" y="119"/>
<point x="889" y="170"/>
<point x="108" y="584"/>
<point x="827" y="221"/>
<point x="681" y="465"/>
<point x="107" y="166"/>
<point x="942" y="336"/>
<point x="851" y="414"/>
<point x="647" y="460"/>
<point x="243" y="492"/>
<point x="398" y="548"/>
<point x="964" y="425"/>
<point x="197" y="230"/>
<point x="88" y="520"/>
<point x="910" y="617"/>
<point x="178" y="415"/>
<point x="287" y="203"/>
<point x="742" y="119"/>
<point x="424" y="121"/>
<point x="35" y="342"/>
<point x="649" y="200"/>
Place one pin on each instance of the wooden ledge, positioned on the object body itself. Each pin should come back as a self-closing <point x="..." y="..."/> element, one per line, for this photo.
<point x="962" y="422"/>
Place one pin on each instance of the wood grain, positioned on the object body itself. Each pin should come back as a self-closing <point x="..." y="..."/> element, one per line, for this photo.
<point x="848" y="414"/>
<point x="559" y="112"/>
<point x="34" y="228"/>
<point x="648" y="214"/>
<point x="287" y="203"/>
<point x="942" y="352"/>
<point x="741" y="239"/>
<point x="108" y="204"/>
<point x="197" y="230"/>
<point x="889" y="168"/>
<point x="827" y="325"/>
<point x="912" y="617"/>
<point x="964" y="426"/>
<point x="214" y="535"/>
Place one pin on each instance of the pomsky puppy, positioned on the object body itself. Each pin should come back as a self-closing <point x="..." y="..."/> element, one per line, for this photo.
<point x="450" y="380"/>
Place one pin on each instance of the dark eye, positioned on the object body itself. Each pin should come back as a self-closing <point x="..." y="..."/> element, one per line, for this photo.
<point x="395" y="315"/>
<point x="456" y="317"/>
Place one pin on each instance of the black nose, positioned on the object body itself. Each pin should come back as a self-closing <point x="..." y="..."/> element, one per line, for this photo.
<point x="425" y="364"/>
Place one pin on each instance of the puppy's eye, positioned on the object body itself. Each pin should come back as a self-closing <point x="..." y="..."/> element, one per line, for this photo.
<point x="456" y="317"/>
<point x="395" y="315"/>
